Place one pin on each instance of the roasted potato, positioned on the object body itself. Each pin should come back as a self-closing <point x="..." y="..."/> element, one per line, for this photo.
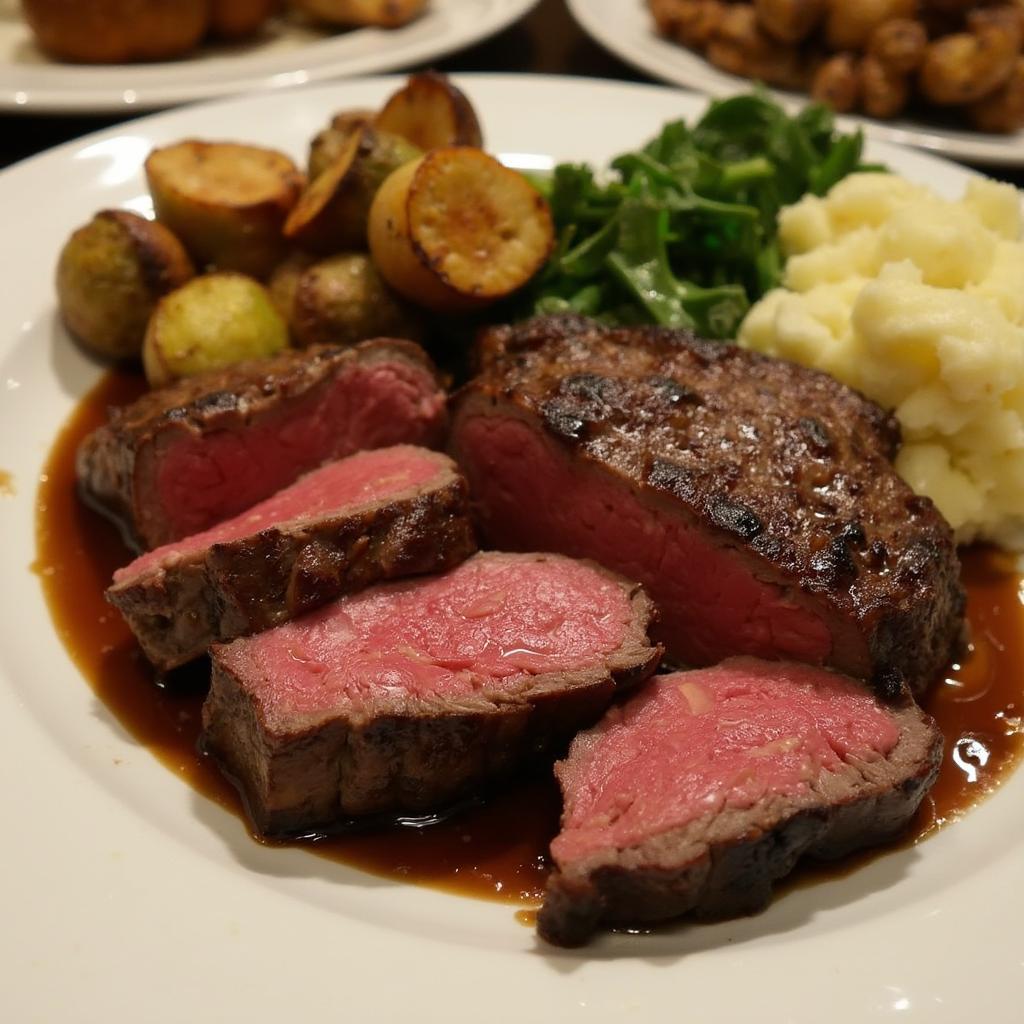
<point x="884" y="91"/>
<point x="227" y="202"/>
<point x="690" y="22"/>
<point x="116" y="31"/>
<point x="211" y="322"/>
<point x="236" y="19"/>
<point x="789" y="21"/>
<point x="332" y="211"/>
<point x="378" y="13"/>
<point x="740" y="46"/>
<point x="110" y="275"/>
<point x="899" y="44"/>
<point x="342" y="300"/>
<point x="455" y="230"/>
<point x="327" y="145"/>
<point x="284" y="282"/>
<point x="431" y="112"/>
<point x="1002" y="110"/>
<point x="837" y="83"/>
<point x="849" y="23"/>
<point x="966" y="66"/>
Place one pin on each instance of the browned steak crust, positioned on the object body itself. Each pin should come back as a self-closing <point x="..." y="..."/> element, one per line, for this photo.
<point x="783" y="465"/>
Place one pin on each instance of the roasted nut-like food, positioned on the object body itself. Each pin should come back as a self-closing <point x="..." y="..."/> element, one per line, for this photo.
<point x="110" y="275"/>
<point x="1002" y="110"/>
<point x="966" y="66"/>
<point x="837" y="83"/>
<point x="899" y="44"/>
<point x="225" y="201"/>
<point x="342" y="300"/>
<point x="789" y="21"/>
<point x="211" y="322"/>
<point x="884" y="91"/>
<point x="379" y="13"/>
<point x="431" y="112"/>
<point x="327" y="145"/>
<point x="455" y="230"/>
<point x="739" y="46"/>
<point x="236" y="19"/>
<point x="690" y="22"/>
<point x="849" y="23"/>
<point x="116" y="31"/>
<point x="331" y="213"/>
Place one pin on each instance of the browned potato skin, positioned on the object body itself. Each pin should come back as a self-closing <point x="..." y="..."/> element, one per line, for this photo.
<point x="284" y="281"/>
<point x="837" y="83"/>
<point x="343" y="300"/>
<point x="1002" y="110"/>
<point x="110" y="275"/>
<point x="789" y="21"/>
<point x="240" y="232"/>
<point x="116" y="31"/>
<point x="377" y="13"/>
<point x="741" y="47"/>
<point x="966" y="66"/>
<point x="849" y="23"/>
<point x="884" y="92"/>
<point x="690" y="22"/>
<point x="430" y="112"/>
<point x="327" y="145"/>
<point x="236" y="19"/>
<point x="899" y="44"/>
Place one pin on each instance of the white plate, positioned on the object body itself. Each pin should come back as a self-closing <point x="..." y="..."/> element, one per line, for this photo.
<point x="286" y="54"/>
<point x="626" y="28"/>
<point x="127" y="896"/>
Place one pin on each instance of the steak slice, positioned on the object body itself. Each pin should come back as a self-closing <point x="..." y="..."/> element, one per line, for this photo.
<point x="185" y="457"/>
<point x="700" y="792"/>
<point x="409" y="696"/>
<point x="754" y="499"/>
<point x="374" y="516"/>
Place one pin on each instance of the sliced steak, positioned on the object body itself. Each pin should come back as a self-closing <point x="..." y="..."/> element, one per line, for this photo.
<point x="374" y="516"/>
<point x="700" y="792"/>
<point x="409" y="696"/>
<point x="185" y="457"/>
<point x="756" y="500"/>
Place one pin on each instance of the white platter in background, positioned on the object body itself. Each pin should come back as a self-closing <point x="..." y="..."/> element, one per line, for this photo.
<point x="126" y="895"/>
<point x="625" y="27"/>
<point x="286" y="54"/>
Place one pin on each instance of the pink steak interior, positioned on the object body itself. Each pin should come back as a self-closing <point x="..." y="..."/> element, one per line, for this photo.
<point x="711" y="603"/>
<point x="488" y="624"/>
<point x="358" y="480"/>
<point x="202" y="480"/>
<point x="695" y="743"/>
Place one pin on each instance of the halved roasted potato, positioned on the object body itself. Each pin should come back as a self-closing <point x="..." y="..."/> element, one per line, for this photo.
<point x="236" y="19"/>
<point x="332" y="211"/>
<point x="110" y="275"/>
<point x="431" y="112"/>
<point x="211" y="322"/>
<point x="456" y="230"/>
<point x="379" y="13"/>
<point x="227" y="202"/>
<point x="326" y="146"/>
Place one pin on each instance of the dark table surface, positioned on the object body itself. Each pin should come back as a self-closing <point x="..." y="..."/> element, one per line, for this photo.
<point x="547" y="40"/>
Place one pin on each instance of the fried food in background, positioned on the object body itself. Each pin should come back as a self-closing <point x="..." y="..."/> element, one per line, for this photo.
<point x="875" y="56"/>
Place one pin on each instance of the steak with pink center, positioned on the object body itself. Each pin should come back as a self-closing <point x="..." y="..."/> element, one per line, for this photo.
<point x="410" y="695"/>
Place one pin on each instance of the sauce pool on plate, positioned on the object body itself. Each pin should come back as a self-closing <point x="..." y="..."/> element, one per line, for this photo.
<point x="496" y="850"/>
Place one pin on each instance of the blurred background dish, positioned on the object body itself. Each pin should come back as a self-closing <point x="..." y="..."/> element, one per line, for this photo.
<point x="287" y="51"/>
<point x="627" y="29"/>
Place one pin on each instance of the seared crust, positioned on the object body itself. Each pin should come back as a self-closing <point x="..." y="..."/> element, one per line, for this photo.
<point x="402" y="755"/>
<point x="116" y="463"/>
<point x="232" y="589"/>
<point x="726" y="864"/>
<point x="782" y="464"/>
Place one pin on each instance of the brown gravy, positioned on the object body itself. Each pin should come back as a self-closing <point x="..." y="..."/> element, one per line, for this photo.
<point x="497" y="850"/>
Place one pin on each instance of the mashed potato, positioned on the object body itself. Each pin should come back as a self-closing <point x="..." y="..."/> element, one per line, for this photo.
<point x="918" y="302"/>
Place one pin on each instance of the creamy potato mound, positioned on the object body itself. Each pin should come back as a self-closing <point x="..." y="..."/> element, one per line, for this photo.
<point x="918" y="302"/>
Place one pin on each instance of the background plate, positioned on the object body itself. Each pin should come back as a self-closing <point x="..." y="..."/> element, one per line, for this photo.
<point x="286" y="54"/>
<point x="127" y="896"/>
<point x="626" y="29"/>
